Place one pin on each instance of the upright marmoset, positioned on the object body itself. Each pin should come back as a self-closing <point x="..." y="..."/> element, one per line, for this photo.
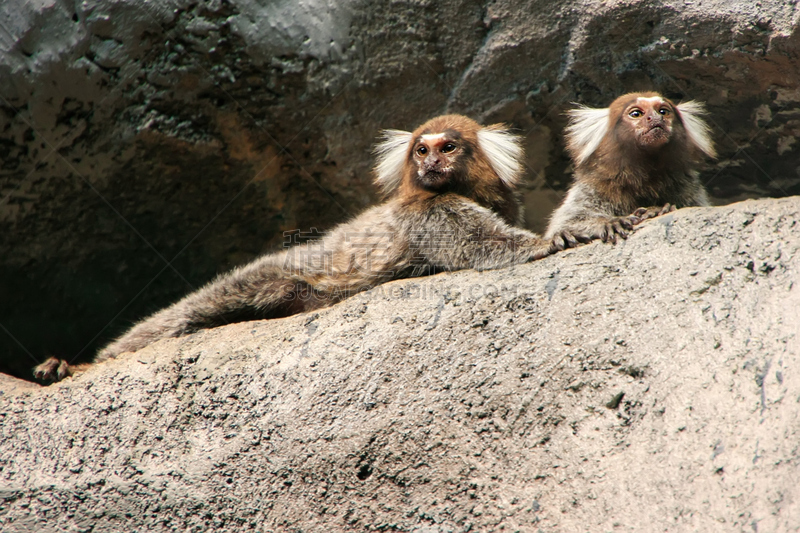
<point x="636" y="159"/>
<point x="450" y="205"/>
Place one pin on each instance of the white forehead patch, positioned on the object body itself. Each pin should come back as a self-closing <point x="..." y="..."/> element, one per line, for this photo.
<point x="652" y="99"/>
<point x="432" y="137"/>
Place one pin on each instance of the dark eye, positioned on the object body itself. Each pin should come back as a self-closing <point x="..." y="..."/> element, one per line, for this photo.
<point x="448" y="147"/>
<point x="664" y="111"/>
<point x="635" y="113"/>
<point x="422" y="150"/>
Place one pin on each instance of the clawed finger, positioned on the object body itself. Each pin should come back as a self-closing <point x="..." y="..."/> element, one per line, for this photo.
<point x="620" y="227"/>
<point x="565" y="240"/>
<point x="644" y="213"/>
<point x="44" y="371"/>
<point x="570" y="239"/>
<point x="63" y="370"/>
<point x="608" y="234"/>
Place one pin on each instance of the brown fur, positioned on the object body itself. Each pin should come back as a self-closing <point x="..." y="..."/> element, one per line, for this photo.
<point x="449" y="211"/>
<point x="642" y="167"/>
<point x="492" y="194"/>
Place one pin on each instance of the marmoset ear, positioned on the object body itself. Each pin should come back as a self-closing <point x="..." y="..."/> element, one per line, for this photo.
<point x="697" y="129"/>
<point x="504" y="152"/>
<point x="390" y="158"/>
<point x="587" y="127"/>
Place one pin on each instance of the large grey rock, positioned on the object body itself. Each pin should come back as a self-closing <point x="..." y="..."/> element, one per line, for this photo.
<point x="648" y="386"/>
<point x="148" y="145"/>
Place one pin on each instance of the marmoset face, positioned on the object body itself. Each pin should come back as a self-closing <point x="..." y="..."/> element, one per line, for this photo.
<point x="439" y="157"/>
<point x="648" y="121"/>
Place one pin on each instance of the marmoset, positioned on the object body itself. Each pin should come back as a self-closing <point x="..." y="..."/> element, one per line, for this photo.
<point x="449" y="204"/>
<point x="634" y="160"/>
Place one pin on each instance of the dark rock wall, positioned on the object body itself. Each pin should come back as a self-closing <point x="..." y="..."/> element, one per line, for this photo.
<point x="144" y="147"/>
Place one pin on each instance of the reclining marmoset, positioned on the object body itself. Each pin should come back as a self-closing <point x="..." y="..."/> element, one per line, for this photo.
<point x="450" y="205"/>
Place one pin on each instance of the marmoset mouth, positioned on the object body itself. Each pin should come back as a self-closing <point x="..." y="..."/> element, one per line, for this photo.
<point x="655" y="132"/>
<point x="434" y="175"/>
<point x="653" y="137"/>
<point x="433" y="178"/>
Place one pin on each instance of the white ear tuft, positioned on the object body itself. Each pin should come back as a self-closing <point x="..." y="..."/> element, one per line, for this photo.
<point x="504" y="152"/>
<point x="390" y="158"/>
<point x="587" y="127"/>
<point x="696" y="128"/>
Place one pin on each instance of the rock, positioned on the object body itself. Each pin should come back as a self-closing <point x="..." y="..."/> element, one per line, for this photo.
<point x="147" y="146"/>
<point x="647" y="385"/>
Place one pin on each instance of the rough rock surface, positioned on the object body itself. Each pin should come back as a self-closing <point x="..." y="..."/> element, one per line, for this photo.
<point x="648" y="386"/>
<point x="146" y="146"/>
